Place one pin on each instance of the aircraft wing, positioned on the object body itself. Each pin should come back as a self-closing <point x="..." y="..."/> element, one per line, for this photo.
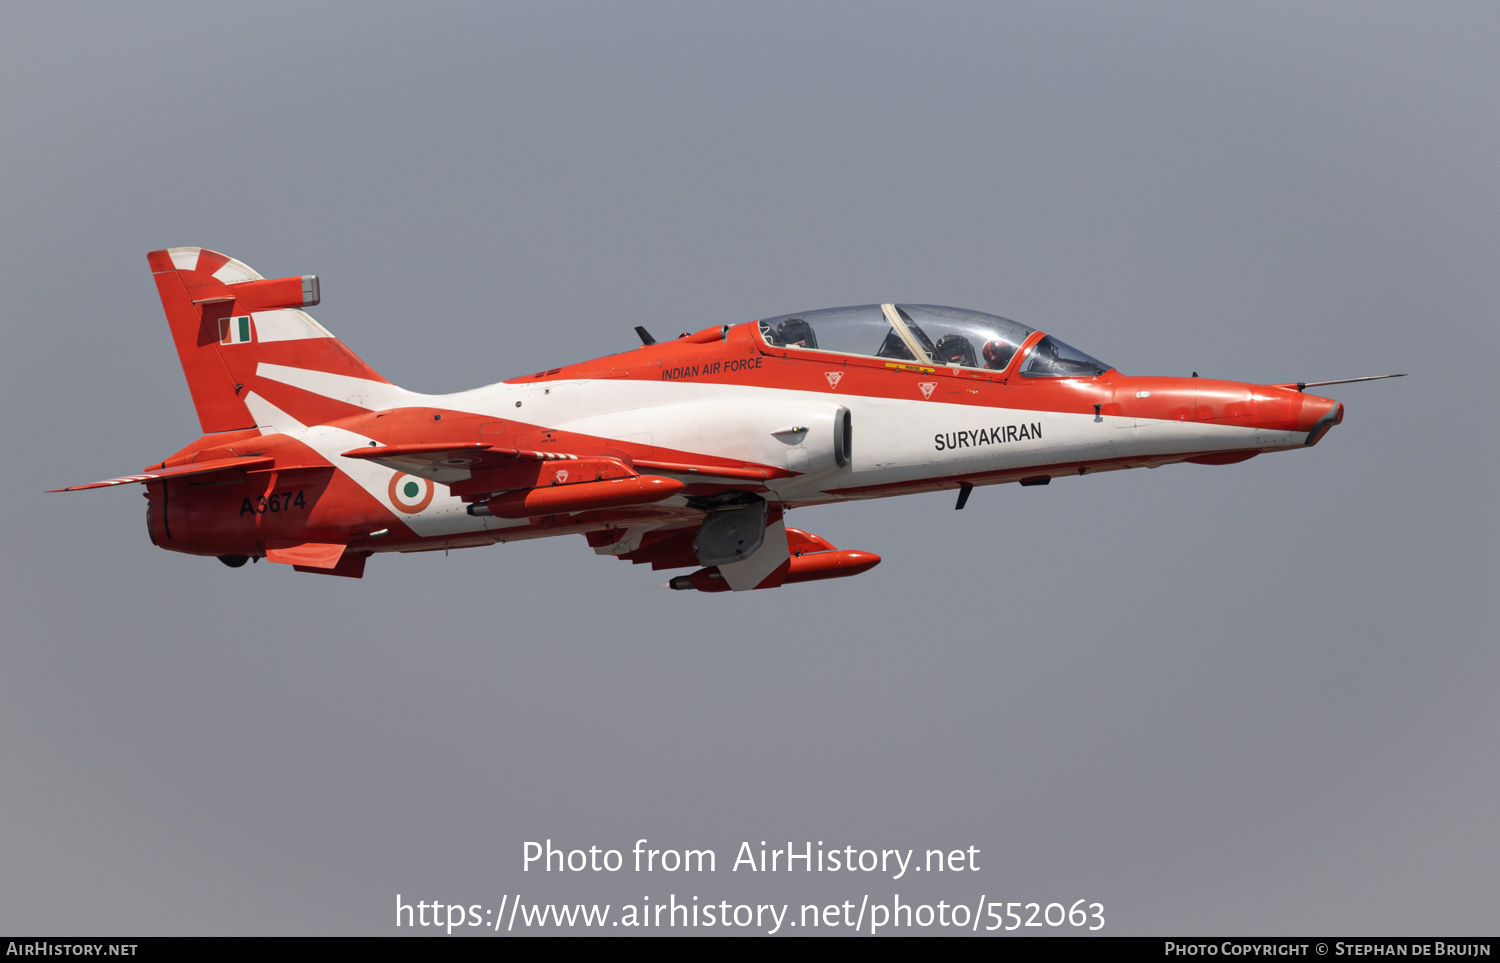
<point x="430" y="457"/>
<point x="474" y="468"/>
<point x="177" y="471"/>
<point x="712" y="471"/>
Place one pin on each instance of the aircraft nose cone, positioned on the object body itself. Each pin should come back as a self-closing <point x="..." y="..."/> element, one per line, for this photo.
<point x="1276" y="408"/>
<point x="1323" y="414"/>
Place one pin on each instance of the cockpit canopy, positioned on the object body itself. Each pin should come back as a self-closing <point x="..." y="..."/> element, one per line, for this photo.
<point x="928" y="334"/>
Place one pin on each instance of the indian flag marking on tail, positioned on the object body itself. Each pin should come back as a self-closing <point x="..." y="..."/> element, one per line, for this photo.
<point x="234" y="330"/>
<point x="409" y="494"/>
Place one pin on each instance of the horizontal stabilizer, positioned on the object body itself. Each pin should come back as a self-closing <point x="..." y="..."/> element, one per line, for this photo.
<point x="177" y="471"/>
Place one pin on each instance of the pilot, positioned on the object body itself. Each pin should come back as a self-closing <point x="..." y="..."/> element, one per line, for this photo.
<point x="955" y="349"/>
<point x="796" y="333"/>
<point x="997" y="354"/>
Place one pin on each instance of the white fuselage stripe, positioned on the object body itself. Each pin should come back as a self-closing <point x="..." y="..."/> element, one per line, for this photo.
<point x="895" y="441"/>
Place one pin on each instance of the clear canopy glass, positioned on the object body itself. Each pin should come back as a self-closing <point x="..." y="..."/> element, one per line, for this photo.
<point x="970" y="339"/>
<point x="1051" y="358"/>
<point x="862" y="329"/>
<point x="929" y="334"/>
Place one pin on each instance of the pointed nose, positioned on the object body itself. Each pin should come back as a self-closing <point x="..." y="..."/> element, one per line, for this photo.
<point x="1284" y="415"/>
<point x="1328" y="413"/>
<point x="1275" y="408"/>
<point x="1269" y="407"/>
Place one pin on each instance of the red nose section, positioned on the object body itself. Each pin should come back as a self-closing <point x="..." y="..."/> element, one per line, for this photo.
<point x="1263" y="406"/>
<point x="1278" y="408"/>
<point x="1332" y="414"/>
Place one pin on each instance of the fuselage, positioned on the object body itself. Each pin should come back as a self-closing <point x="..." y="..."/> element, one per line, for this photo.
<point x="725" y="410"/>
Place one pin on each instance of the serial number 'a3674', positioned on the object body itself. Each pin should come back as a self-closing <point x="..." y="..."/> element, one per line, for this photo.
<point x="274" y="502"/>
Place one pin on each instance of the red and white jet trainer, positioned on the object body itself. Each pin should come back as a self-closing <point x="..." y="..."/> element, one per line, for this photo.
<point x="682" y="454"/>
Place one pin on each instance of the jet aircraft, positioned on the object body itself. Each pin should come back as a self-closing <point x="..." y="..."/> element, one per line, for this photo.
<point x="684" y="453"/>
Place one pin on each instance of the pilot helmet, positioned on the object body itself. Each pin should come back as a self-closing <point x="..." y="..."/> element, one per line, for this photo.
<point x="955" y="349"/>
<point x="997" y="354"/>
<point x="796" y="333"/>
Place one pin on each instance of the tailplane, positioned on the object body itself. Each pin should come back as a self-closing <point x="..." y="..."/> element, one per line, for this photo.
<point x="248" y="348"/>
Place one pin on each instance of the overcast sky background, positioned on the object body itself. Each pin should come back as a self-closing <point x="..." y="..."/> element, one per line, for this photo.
<point x="1255" y="699"/>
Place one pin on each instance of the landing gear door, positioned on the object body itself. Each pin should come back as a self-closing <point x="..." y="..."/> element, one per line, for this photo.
<point x="772" y="554"/>
<point x="731" y="535"/>
<point x="744" y="547"/>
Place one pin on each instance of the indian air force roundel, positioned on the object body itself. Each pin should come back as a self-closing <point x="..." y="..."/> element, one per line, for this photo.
<point x="409" y="493"/>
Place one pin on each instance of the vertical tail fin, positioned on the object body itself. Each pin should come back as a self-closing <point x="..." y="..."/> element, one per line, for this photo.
<point x="241" y="337"/>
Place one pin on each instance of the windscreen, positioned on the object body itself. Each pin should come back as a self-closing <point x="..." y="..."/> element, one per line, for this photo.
<point x="1051" y="358"/>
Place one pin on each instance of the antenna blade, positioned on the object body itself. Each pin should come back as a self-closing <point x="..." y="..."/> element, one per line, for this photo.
<point x="644" y="335"/>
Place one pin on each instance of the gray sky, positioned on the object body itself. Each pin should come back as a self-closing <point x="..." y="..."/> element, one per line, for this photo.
<point x="1255" y="699"/>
